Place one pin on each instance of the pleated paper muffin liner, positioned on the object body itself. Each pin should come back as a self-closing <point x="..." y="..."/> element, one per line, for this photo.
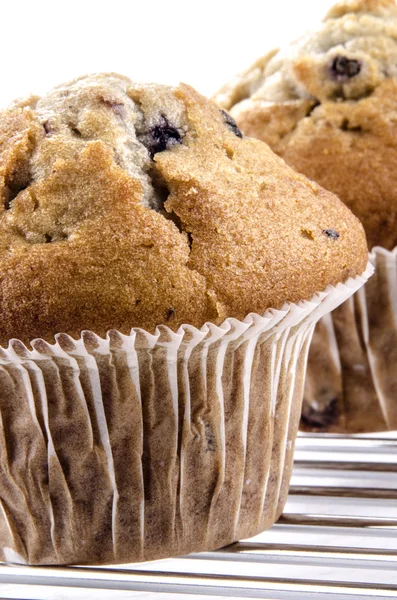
<point x="141" y="446"/>
<point x="352" y="371"/>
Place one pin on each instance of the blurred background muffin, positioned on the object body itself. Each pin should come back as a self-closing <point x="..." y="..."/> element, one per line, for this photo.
<point x="327" y="104"/>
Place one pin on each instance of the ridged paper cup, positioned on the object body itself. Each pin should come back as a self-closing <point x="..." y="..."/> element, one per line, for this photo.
<point x="352" y="371"/>
<point x="140" y="446"/>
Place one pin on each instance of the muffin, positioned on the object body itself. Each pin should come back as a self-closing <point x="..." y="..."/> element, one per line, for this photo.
<point x="327" y="105"/>
<point x="160" y="280"/>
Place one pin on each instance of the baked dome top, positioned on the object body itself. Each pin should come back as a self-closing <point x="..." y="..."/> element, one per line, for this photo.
<point x="128" y="205"/>
<point x="327" y="104"/>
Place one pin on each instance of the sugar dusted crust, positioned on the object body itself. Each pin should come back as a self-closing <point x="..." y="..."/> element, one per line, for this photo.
<point x="327" y="105"/>
<point x="134" y="205"/>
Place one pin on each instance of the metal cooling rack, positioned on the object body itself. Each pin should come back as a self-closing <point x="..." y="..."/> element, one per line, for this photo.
<point x="336" y="539"/>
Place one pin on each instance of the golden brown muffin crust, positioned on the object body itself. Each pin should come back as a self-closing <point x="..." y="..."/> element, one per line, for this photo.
<point x="134" y="205"/>
<point x="328" y="107"/>
<point x="381" y="7"/>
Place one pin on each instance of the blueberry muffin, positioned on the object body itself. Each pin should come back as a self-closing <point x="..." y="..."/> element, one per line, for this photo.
<point x="133" y="206"/>
<point x="327" y="105"/>
<point x="149" y="400"/>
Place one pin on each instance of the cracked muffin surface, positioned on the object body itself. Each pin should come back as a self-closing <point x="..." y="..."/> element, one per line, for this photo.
<point x="126" y="205"/>
<point x="327" y="104"/>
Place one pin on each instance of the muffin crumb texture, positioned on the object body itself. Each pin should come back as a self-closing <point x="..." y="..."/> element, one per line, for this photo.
<point x="127" y="205"/>
<point x="327" y="105"/>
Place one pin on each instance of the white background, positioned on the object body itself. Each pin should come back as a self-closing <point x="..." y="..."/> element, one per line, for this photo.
<point x="203" y="43"/>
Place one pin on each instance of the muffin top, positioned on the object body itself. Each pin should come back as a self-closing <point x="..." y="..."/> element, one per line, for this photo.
<point x="129" y="205"/>
<point x="328" y="105"/>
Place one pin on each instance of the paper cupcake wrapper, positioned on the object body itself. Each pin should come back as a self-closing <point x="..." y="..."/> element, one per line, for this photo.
<point x="142" y="446"/>
<point x="352" y="371"/>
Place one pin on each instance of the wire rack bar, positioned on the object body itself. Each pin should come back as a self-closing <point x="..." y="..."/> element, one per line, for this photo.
<point x="336" y="539"/>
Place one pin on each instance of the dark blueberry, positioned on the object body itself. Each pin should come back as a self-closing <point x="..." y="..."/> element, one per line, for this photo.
<point x="162" y="137"/>
<point x="320" y="419"/>
<point x="331" y="234"/>
<point x="343" y="68"/>
<point x="231" y="123"/>
<point x="116" y="107"/>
